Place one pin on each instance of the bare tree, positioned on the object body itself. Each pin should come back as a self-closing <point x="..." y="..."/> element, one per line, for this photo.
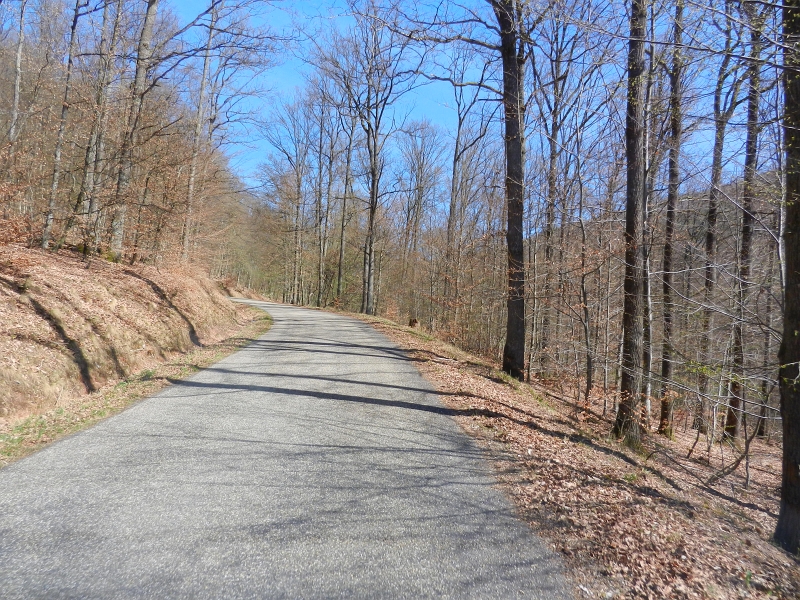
<point x="13" y="128"/>
<point x="368" y="65"/>
<point x="787" y="530"/>
<point x="755" y="21"/>
<point x="144" y="56"/>
<point x="199" y="123"/>
<point x="676" y="131"/>
<point x="80" y="7"/>
<point x="627" y="422"/>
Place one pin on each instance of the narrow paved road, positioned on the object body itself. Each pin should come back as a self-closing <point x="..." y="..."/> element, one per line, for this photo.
<point x="315" y="463"/>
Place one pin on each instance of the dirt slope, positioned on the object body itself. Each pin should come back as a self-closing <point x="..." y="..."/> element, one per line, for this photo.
<point x="68" y="327"/>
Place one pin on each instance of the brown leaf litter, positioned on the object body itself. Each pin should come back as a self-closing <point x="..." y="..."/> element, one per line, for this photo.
<point x="627" y="524"/>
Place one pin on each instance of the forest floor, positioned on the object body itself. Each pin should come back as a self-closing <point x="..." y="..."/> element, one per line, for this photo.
<point x="80" y="341"/>
<point x="645" y="524"/>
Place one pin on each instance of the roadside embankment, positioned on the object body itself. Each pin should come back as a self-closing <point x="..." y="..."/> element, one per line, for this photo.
<point x="69" y="329"/>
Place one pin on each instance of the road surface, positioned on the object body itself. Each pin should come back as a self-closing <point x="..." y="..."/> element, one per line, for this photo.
<point x="315" y="463"/>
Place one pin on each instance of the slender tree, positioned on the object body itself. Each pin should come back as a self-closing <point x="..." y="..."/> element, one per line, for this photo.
<point x="755" y="21"/>
<point x="47" y="232"/>
<point x="199" y="123"/>
<point x="144" y="57"/>
<point x="676" y="130"/>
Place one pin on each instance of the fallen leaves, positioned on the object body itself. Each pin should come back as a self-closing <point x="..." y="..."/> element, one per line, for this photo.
<point x="68" y="326"/>
<point x="628" y="525"/>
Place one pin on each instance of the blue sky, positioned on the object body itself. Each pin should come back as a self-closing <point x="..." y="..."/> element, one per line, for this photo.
<point x="429" y="101"/>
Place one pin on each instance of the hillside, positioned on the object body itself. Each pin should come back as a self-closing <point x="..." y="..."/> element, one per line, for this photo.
<point x="69" y="327"/>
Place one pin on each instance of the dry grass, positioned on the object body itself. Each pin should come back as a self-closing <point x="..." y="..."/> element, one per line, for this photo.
<point x="74" y="335"/>
<point x="628" y="524"/>
<point x="68" y="327"/>
<point x="21" y="437"/>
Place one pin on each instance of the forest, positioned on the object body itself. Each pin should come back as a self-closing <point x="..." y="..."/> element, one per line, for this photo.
<point x="607" y="207"/>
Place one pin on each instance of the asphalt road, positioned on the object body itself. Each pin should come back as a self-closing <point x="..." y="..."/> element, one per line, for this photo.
<point x="315" y="463"/>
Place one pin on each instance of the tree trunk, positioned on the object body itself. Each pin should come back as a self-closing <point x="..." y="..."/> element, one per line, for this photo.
<point x="62" y="126"/>
<point x="199" y="121"/>
<point x="761" y="426"/>
<point x="347" y="177"/>
<point x="675" y="116"/>
<point x="85" y="204"/>
<point x="787" y="531"/>
<point x="298" y="244"/>
<point x="13" y="128"/>
<point x="369" y="256"/>
<point x="627" y="421"/>
<point x="319" y="214"/>
<point x="144" y="55"/>
<point x="584" y="294"/>
<point x="737" y="396"/>
<point x="549" y="227"/>
<point x="508" y="13"/>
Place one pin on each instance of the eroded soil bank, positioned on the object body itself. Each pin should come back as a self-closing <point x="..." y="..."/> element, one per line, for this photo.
<point x="69" y="328"/>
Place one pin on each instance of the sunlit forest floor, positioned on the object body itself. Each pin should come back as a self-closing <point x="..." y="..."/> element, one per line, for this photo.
<point x="646" y="524"/>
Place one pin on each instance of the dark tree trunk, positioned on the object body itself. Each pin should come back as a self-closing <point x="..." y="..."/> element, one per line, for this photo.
<point x="737" y="395"/>
<point x="509" y="18"/>
<point x="627" y="422"/>
<point x="787" y="531"/>
<point x="665" y="422"/>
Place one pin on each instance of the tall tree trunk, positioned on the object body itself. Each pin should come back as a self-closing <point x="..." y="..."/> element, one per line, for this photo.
<point x="318" y="210"/>
<point x="549" y="228"/>
<point x="199" y="121"/>
<point x="298" y="244"/>
<point x="451" y="270"/>
<point x="62" y="126"/>
<point x="94" y="214"/>
<point x="144" y="56"/>
<point x="627" y="421"/>
<point x="761" y="427"/>
<point x="13" y="128"/>
<point x="647" y="307"/>
<point x="347" y="184"/>
<point x="673" y="185"/>
<point x="322" y="295"/>
<point x="787" y="531"/>
<point x="722" y="115"/>
<point x="584" y="293"/>
<point x="737" y="395"/>
<point x="369" y="249"/>
<point x="86" y="201"/>
<point x="512" y="48"/>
